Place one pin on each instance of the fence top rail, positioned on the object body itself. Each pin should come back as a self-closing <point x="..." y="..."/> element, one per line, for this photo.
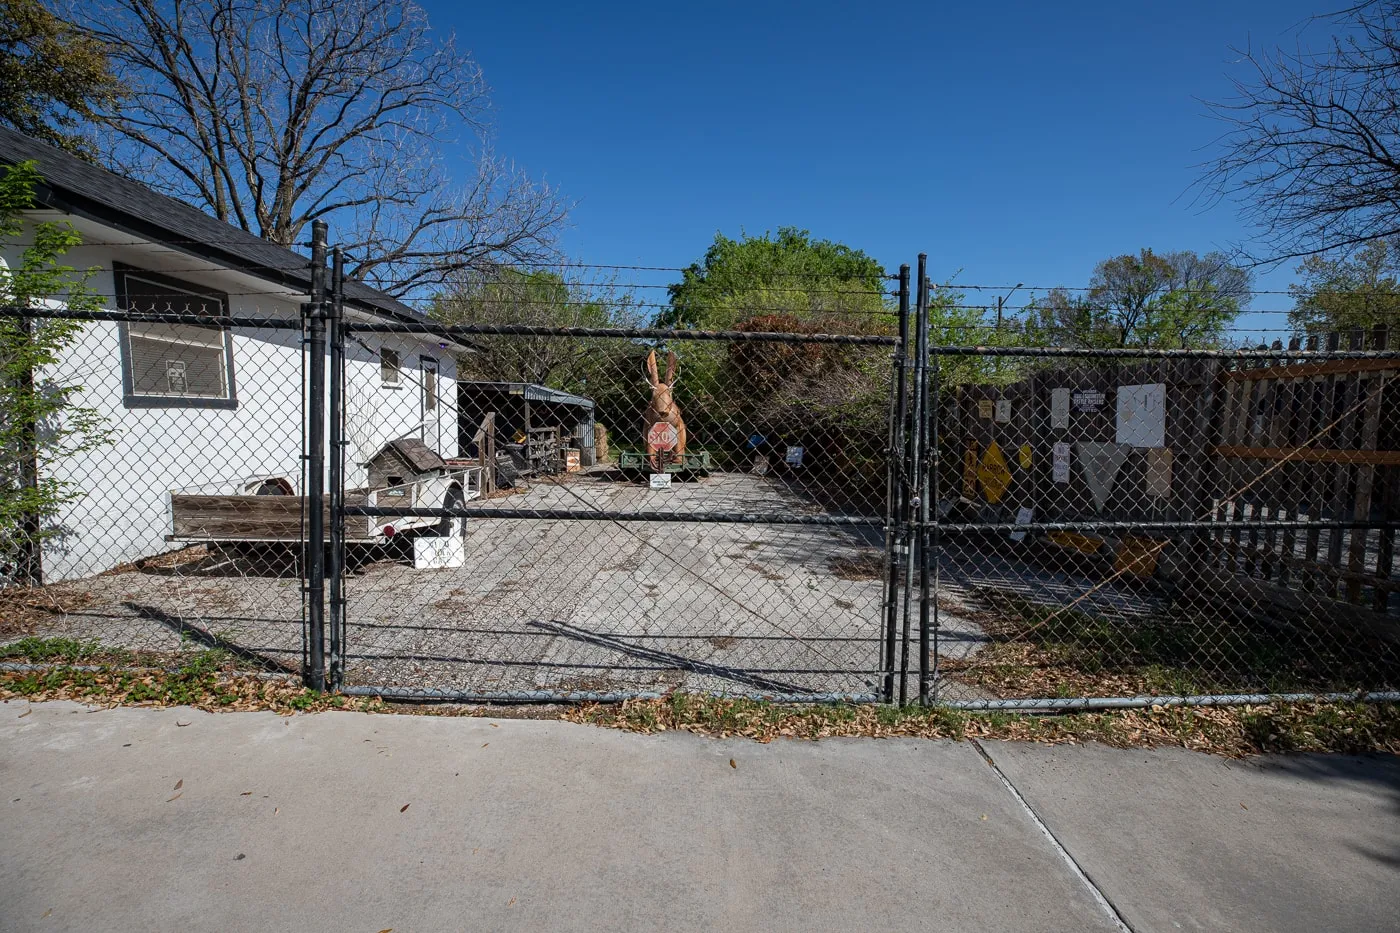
<point x="1148" y="353"/>
<point x="149" y="317"/>
<point x="633" y="333"/>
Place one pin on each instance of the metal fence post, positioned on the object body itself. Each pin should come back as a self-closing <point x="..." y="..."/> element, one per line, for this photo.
<point x="934" y="490"/>
<point x="894" y="507"/>
<point x="315" y="568"/>
<point x="925" y="493"/>
<point x="30" y="568"/>
<point x="336" y="469"/>
<point x="913" y="501"/>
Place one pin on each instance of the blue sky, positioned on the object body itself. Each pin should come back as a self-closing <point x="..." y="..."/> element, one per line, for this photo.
<point x="1012" y="142"/>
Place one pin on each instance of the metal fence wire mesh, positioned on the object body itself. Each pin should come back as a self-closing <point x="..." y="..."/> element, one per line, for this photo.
<point x="701" y="514"/>
<point x="152" y="480"/>
<point x="1178" y="525"/>
<point x="826" y="505"/>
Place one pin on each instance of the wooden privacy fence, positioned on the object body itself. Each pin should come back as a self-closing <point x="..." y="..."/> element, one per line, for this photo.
<point x="1207" y="440"/>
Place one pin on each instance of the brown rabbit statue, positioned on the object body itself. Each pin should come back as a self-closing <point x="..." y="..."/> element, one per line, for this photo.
<point x="663" y="445"/>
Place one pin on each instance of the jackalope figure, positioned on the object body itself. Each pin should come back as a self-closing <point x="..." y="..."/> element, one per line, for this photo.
<point x="665" y="440"/>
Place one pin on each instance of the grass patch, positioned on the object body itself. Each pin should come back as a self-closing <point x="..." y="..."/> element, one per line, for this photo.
<point x="41" y="650"/>
<point x="211" y="680"/>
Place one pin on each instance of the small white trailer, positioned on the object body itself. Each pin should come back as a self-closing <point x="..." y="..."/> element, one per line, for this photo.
<point x="268" y="508"/>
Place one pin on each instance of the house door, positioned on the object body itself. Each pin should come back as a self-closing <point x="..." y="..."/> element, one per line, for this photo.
<point x="432" y="423"/>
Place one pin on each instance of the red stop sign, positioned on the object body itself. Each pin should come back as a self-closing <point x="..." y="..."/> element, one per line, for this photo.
<point x="662" y="436"/>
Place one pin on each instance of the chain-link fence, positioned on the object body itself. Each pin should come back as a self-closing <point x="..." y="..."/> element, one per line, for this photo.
<point x="832" y="504"/>
<point x="152" y="477"/>
<point x="1167" y="524"/>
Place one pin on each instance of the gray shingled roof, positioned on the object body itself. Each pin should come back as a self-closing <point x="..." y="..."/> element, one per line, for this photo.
<point x="85" y="190"/>
<point x="417" y="454"/>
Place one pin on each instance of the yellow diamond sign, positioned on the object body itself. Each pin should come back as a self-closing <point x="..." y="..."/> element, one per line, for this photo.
<point x="994" y="473"/>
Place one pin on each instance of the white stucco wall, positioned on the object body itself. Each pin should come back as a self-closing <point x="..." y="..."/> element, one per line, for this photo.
<point x="121" y="511"/>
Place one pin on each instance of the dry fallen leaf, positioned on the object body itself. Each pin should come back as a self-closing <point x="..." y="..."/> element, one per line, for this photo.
<point x="511" y="902"/>
<point x="733" y="765"/>
<point x="387" y="930"/>
<point x="494" y="726"/>
<point x="25" y="713"/>
<point x="181" y="724"/>
<point x="47" y="913"/>
<point x="276" y="810"/>
<point x="177" y="796"/>
<point x="403" y="808"/>
<point x="484" y="744"/>
<point x="246" y="793"/>
<point x="179" y="784"/>
<point x="1243" y="807"/>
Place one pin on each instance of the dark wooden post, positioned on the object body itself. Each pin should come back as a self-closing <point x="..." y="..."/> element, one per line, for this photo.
<point x="31" y="550"/>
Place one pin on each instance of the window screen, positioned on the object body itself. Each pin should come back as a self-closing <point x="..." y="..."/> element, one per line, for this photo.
<point x="173" y="364"/>
<point x="389" y="366"/>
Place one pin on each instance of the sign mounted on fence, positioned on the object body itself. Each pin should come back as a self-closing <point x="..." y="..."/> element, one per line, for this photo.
<point x="994" y="474"/>
<point x="985" y="407"/>
<point x="1088" y="400"/>
<point x="1004" y="410"/>
<point x="1024" y="515"/>
<point x="1101" y="462"/>
<point x="794" y="456"/>
<point x="1025" y="456"/>
<point x="1142" y="415"/>
<point x="662" y="436"/>
<point x="1059" y="408"/>
<point x="1059" y="465"/>
<point x="661" y="481"/>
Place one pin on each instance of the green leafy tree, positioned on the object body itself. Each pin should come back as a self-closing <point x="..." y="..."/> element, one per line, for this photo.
<point x="832" y="400"/>
<point x="1149" y="300"/>
<point x="41" y="420"/>
<point x="53" y="76"/>
<point x="787" y="274"/>
<point x="1355" y="290"/>
<point x="544" y="298"/>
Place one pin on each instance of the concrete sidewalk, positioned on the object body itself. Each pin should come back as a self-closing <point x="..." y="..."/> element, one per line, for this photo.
<point x="300" y="824"/>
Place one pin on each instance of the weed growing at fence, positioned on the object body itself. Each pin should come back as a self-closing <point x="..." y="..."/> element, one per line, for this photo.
<point x="211" y="680"/>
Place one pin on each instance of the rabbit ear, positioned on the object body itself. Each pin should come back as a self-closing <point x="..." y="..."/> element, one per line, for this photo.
<point x="670" y="369"/>
<point x="652" y="377"/>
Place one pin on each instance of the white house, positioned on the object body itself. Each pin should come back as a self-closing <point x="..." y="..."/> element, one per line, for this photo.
<point x="202" y="407"/>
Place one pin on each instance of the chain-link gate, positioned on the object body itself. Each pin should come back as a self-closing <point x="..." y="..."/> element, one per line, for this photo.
<point x="663" y="512"/>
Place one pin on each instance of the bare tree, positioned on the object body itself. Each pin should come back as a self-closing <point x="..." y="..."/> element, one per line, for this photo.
<point x="273" y="113"/>
<point x="1313" y="145"/>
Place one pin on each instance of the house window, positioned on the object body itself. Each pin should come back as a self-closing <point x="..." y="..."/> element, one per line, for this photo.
<point x="390" y="367"/>
<point x="173" y="365"/>
<point x="430" y="399"/>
